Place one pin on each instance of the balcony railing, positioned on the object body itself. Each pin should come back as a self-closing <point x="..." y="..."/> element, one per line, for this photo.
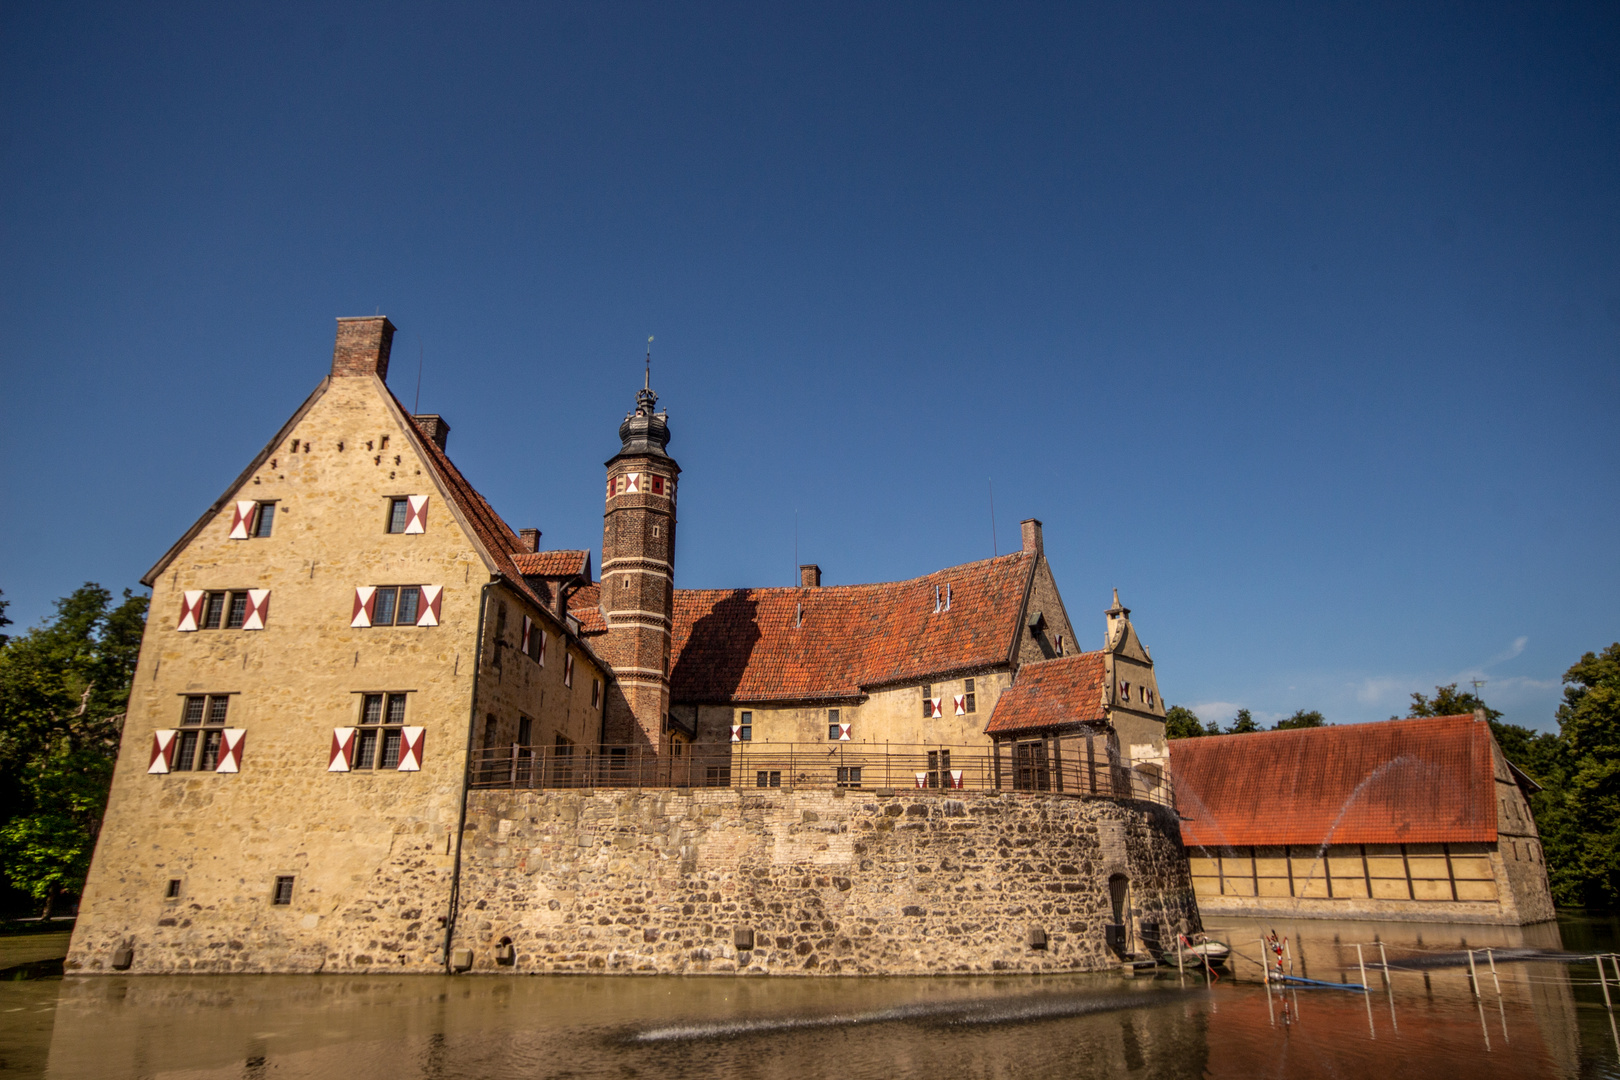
<point x="1060" y="767"/>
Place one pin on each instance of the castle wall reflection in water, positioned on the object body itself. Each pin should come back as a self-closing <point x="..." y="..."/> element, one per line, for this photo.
<point x="1548" y="1020"/>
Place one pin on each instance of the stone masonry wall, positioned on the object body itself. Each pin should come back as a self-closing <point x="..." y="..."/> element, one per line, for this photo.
<point x="826" y="882"/>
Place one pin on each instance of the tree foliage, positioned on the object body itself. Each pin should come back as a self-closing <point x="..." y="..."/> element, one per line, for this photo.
<point x="1243" y="723"/>
<point x="1302" y="718"/>
<point x="64" y="686"/>
<point x="1181" y="722"/>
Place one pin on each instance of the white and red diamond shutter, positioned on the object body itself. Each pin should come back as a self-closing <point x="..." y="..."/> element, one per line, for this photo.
<point x="258" y="609"/>
<point x="427" y="612"/>
<point x="415" y="514"/>
<point x="843" y="732"/>
<point x="528" y="628"/>
<point x="960" y="701"/>
<point x="922" y="779"/>
<point x="933" y="707"/>
<point x="1124" y="690"/>
<point x="542" y="647"/>
<point x="568" y="669"/>
<point x="410" y="749"/>
<point x="230" y="750"/>
<point x="365" y="601"/>
<point x="736" y="733"/>
<point x="162" y="751"/>
<point x="632" y="483"/>
<point x="191" y="603"/>
<point x="956" y="778"/>
<point x="242" y="519"/>
<point x="342" y="750"/>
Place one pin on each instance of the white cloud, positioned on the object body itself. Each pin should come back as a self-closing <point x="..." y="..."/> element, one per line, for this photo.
<point x="1219" y="711"/>
<point x="1512" y="650"/>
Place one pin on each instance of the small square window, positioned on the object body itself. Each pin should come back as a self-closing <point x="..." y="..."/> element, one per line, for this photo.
<point x="281" y="896"/>
<point x="173" y="892"/>
<point x="834" y="729"/>
<point x="849" y="777"/>
<point x="768" y="779"/>
<point x="398" y="512"/>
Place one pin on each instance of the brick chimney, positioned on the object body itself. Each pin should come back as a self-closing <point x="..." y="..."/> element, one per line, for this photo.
<point x="1032" y="536"/>
<point x="435" y="427"/>
<point x="810" y="576"/>
<point x="362" y="346"/>
<point x="529" y="539"/>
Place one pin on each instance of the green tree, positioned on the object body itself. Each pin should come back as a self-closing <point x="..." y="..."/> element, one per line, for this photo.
<point x="1300" y="719"/>
<point x="1181" y="722"/>
<point x="1242" y="724"/>
<point x="1582" y="830"/>
<point x="64" y="686"/>
<point x="3" y="620"/>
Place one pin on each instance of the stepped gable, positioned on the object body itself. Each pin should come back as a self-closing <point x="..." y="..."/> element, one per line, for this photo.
<point x="834" y="642"/>
<point x="553" y="563"/>
<point x="1427" y="781"/>
<point x="1051" y="694"/>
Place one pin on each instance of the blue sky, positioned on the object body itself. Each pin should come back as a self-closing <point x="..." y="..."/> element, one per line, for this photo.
<point x="1298" y="324"/>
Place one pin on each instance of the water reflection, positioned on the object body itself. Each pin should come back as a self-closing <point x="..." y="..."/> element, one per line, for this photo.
<point x="1548" y="1020"/>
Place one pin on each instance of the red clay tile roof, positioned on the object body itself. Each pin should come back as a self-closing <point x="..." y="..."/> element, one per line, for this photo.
<point x="584" y="604"/>
<point x="1421" y="781"/>
<point x="743" y="644"/>
<point x="552" y="563"/>
<point x="1052" y="693"/>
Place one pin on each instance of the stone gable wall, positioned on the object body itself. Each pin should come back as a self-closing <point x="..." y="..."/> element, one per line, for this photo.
<point x="826" y="882"/>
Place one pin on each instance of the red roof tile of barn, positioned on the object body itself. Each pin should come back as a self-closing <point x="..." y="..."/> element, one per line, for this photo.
<point x="1399" y="782"/>
<point x="552" y="563"/>
<point x="743" y="644"/>
<point x="1050" y="694"/>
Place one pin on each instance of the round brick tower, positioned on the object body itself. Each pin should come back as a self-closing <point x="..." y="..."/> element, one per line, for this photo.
<point x="638" y="577"/>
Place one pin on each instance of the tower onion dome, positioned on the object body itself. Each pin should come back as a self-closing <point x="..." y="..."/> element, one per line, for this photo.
<point x="645" y="431"/>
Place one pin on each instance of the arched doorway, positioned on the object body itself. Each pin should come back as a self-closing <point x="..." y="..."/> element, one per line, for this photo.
<point x="1118" y="931"/>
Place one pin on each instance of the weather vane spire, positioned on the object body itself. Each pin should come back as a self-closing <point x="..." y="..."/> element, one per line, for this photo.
<point x="648" y="384"/>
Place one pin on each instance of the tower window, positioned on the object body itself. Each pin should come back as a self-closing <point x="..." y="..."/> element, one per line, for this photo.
<point x="745" y="726"/>
<point x="971" y="704"/>
<point x="173" y="892"/>
<point x="281" y="895"/>
<point x="834" y="728"/>
<point x="398" y="512"/>
<point x="927" y="700"/>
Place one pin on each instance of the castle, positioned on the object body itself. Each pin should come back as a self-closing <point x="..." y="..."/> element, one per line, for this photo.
<point x="359" y="688"/>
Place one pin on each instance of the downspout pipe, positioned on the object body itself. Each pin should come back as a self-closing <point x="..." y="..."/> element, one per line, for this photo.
<point x="467" y="775"/>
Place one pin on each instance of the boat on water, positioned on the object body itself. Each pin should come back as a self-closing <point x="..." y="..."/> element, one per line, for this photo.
<point x="1202" y="950"/>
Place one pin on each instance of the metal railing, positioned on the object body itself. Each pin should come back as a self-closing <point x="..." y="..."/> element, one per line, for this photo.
<point x="1050" y="767"/>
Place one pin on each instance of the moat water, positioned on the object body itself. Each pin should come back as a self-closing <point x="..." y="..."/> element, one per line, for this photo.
<point x="1549" y="1020"/>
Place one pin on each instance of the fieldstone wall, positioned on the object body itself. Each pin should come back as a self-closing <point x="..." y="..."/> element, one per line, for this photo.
<point x="816" y="882"/>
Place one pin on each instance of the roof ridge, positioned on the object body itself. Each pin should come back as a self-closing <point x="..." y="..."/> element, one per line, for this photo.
<point x="757" y="589"/>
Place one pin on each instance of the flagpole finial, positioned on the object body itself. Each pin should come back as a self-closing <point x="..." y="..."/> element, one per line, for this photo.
<point x="648" y="384"/>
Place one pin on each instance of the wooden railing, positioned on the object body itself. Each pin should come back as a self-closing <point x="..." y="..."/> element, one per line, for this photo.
<point x="1057" y="767"/>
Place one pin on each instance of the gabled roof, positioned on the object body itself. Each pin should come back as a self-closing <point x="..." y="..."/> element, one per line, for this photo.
<point x="797" y="644"/>
<point x="1052" y="694"/>
<point x="554" y="563"/>
<point x="1422" y="781"/>
<point x="585" y="604"/>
